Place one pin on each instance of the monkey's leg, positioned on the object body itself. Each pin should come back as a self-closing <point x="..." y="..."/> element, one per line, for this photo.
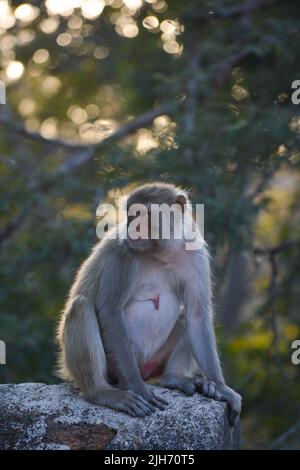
<point x="181" y="367"/>
<point x="181" y="371"/>
<point x="84" y="362"/>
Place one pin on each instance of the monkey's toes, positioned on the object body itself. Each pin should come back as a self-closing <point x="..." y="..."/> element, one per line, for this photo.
<point x="207" y="388"/>
<point x="183" y="384"/>
<point x="130" y="403"/>
<point x="158" y="402"/>
<point x="187" y="387"/>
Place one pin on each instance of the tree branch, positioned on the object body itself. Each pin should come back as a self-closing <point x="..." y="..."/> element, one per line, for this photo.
<point x="83" y="154"/>
<point x="12" y="226"/>
<point x="246" y="8"/>
<point x="292" y="430"/>
<point x="191" y="104"/>
<point x="18" y="129"/>
<point x="276" y="249"/>
<point x="232" y="11"/>
<point x="224" y="68"/>
<point x="129" y="128"/>
<point x="273" y="294"/>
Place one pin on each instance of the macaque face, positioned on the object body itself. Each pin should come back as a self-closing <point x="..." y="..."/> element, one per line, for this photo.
<point x="154" y="226"/>
<point x="139" y="228"/>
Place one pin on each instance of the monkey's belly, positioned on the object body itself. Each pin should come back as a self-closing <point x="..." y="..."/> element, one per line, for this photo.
<point x="151" y="316"/>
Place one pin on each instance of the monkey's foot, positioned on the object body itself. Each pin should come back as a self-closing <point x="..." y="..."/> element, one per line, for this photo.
<point x="207" y="388"/>
<point x="125" y="401"/>
<point x="186" y="385"/>
<point x="220" y="392"/>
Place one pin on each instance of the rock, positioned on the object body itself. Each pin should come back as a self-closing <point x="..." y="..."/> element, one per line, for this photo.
<point x="38" y="416"/>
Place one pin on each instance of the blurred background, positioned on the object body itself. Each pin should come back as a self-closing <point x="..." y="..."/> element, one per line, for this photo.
<point x="103" y="95"/>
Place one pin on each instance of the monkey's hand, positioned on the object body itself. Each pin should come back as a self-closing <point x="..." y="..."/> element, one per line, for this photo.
<point x="146" y="393"/>
<point x="224" y="393"/>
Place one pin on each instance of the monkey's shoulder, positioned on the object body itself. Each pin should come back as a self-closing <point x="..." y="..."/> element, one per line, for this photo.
<point x="110" y="248"/>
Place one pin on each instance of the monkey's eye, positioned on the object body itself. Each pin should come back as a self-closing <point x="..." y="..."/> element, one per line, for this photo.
<point x="130" y="218"/>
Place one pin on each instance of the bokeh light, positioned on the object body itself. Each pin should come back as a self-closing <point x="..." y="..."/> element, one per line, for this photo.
<point x="64" y="39"/>
<point x="133" y="4"/>
<point x="145" y="141"/>
<point x="48" y="128"/>
<point x="25" y="36"/>
<point x="239" y="93"/>
<point x="26" y="107"/>
<point x="7" y="19"/>
<point x="63" y="8"/>
<point x="150" y="23"/>
<point x="49" y="25"/>
<point x="92" y="9"/>
<point x="26" y="12"/>
<point x="77" y="115"/>
<point x="101" y="52"/>
<point x="14" y="70"/>
<point x="50" y="85"/>
<point x="40" y="56"/>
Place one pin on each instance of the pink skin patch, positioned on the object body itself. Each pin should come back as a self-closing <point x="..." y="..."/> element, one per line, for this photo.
<point x="155" y="301"/>
<point x="147" y="370"/>
<point x="151" y="369"/>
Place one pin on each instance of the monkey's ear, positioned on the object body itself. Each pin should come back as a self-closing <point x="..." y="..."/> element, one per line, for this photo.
<point x="181" y="200"/>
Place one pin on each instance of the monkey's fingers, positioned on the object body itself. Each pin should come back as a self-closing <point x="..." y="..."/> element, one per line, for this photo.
<point x="160" y="403"/>
<point x="233" y="411"/>
<point x="138" y="409"/>
<point x="128" y="402"/>
<point x="144" y="403"/>
<point x="234" y="403"/>
<point x="164" y="402"/>
<point x="233" y="416"/>
<point x="199" y="382"/>
<point x="207" y="388"/>
<point x="130" y="408"/>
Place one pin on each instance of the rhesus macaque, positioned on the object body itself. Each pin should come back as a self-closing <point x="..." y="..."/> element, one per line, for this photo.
<point x="141" y="308"/>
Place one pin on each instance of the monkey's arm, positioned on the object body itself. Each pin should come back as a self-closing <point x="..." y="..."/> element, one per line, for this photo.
<point x="199" y="322"/>
<point x="119" y="351"/>
<point x="118" y="348"/>
<point x="116" y="285"/>
<point x="201" y="336"/>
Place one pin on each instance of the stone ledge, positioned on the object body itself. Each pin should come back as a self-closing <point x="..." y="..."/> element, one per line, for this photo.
<point x="38" y="416"/>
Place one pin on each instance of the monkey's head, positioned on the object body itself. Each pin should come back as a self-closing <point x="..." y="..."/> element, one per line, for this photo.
<point x="153" y="212"/>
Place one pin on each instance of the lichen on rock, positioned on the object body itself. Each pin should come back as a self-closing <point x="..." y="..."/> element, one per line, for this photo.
<point x="39" y="416"/>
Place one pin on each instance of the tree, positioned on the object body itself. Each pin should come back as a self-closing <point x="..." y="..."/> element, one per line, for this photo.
<point x="103" y="95"/>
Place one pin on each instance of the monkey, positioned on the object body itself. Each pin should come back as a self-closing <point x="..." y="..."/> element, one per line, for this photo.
<point x="142" y="308"/>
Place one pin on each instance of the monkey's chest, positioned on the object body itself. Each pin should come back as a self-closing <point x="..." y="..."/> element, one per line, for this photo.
<point x="151" y="316"/>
